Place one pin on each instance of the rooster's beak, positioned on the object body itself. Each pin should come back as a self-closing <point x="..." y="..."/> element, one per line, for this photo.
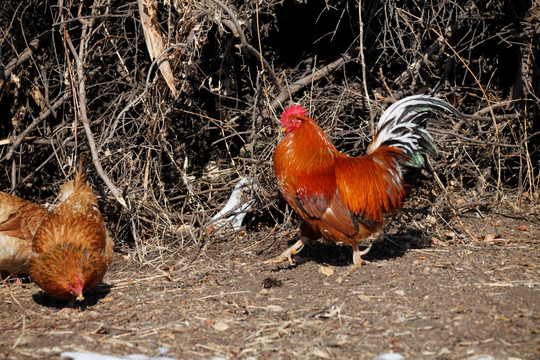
<point x="283" y="130"/>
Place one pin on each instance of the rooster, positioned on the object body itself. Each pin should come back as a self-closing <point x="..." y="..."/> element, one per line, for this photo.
<point x="19" y="221"/>
<point x="343" y="198"/>
<point x="72" y="249"/>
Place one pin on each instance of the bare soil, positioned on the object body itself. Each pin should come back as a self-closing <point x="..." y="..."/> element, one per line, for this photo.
<point x="440" y="299"/>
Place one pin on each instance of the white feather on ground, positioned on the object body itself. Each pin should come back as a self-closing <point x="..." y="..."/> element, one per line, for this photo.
<point x="239" y="203"/>
<point x="389" y="356"/>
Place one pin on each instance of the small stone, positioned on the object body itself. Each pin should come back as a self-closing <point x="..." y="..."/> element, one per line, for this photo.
<point x="364" y="298"/>
<point x="220" y="325"/>
<point x="326" y="270"/>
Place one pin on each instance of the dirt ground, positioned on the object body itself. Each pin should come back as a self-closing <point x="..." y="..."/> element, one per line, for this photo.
<point x="425" y="299"/>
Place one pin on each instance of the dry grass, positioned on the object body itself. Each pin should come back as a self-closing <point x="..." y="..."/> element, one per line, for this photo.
<point x="174" y="161"/>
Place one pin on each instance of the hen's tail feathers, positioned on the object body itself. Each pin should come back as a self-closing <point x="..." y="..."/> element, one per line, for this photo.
<point x="80" y="172"/>
<point x="403" y="126"/>
<point x="79" y="178"/>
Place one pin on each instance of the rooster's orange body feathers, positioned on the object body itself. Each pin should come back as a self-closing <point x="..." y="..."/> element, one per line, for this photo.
<point x="340" y="197"/>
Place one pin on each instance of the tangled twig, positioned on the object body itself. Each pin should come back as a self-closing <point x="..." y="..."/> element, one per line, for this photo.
<point x="245" y="45"/>
<point x="84" y="117"/>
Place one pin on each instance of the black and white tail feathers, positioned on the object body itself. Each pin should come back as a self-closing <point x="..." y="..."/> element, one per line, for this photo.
<point x="403" y="126"/>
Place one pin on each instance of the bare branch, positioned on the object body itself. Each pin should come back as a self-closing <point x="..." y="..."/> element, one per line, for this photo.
<point x="363" y="62"/>
<point x="86" y="122"/>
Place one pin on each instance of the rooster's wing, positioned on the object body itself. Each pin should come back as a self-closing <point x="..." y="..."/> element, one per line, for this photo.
<point x="318" y="197"/>
<point x="371" y="185"/>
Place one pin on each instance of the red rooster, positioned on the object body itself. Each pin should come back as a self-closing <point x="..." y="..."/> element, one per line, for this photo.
<point x="343" y="198"/>
<point x="72" y="248"/>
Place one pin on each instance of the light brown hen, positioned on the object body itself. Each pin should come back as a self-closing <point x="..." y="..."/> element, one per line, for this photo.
<point x="72" y="249"/>
<point x="19" y="221"/>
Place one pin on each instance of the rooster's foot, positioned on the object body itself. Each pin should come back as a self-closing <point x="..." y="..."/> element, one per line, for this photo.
<point x="357" y="255"/>
<point x="287" y="254"/>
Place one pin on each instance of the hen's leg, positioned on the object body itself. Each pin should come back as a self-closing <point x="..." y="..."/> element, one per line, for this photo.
<point x="17" y="280"/>
<point x="287" y="254"/>
<point x="357" y="254"/>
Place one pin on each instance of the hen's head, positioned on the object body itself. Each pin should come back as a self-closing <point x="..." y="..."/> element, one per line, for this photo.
<point x="291" y="119"/>
<point x="75" y="287"/>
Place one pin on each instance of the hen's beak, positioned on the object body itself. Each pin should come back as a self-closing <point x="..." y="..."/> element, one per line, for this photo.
<point x="80" y="297"/>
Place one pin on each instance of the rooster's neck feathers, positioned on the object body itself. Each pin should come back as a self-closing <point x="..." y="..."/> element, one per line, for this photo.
<point x="308" y="146"/>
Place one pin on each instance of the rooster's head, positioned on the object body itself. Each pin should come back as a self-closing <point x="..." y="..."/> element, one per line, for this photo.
<point x="291" y="119"/>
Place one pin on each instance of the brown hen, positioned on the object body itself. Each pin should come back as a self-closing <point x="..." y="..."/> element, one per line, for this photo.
<point x="72" y="249"/>
<point x="19" y="221"/>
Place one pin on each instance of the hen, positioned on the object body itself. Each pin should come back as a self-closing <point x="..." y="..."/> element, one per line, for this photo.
<point x="72" y="249"/>
<point x="19" y="221"/>
<point x="343" y="198"/>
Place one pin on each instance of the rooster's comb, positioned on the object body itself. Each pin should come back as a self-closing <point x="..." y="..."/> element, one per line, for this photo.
<point x="293" y="110"/>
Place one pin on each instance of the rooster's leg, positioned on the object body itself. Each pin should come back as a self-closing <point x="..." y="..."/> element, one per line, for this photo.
<point x="287" y="254"/>
<point x="357" y="254"/>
